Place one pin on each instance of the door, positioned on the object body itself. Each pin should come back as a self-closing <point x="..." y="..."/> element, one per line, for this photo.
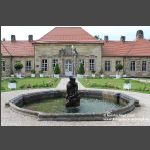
<point x="68" y="68"/>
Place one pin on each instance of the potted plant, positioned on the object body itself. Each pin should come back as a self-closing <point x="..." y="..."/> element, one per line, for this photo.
<point x="81" y="71"/>
<point x="127" y="85"/>
<point x="124" y="74"/>
<point x="56" y="71"/>
<point x="93" y="73"/>
<point x="119" y="67"/>
<point x="33" y="73"/>
<point x="18" y="66"/>
<point x="12" y="84"/>
<point x="41" y="73"/>
<point x="101" y="73"/>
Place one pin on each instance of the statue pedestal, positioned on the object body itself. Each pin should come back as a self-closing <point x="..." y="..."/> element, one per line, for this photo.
<point x="75" y="102"/>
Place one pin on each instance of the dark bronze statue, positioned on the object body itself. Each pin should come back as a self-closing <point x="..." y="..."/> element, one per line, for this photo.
<point x="72" y="97"/>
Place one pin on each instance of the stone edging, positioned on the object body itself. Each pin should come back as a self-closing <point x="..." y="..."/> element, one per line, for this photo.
<point x="20" y="100"/>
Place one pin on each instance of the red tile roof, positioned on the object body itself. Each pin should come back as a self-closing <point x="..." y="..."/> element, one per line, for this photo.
<point x="17" y="48"/>
<point x="68" y="34"/>
<point x="4" y="51"/>
<point x="139" y="47"/>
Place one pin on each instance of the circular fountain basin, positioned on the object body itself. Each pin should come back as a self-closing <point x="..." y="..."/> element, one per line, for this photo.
<point x="94" y="105"/>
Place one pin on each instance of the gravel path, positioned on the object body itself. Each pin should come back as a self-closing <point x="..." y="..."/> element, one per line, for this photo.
<point x="12" y="118"/>
<point x="141" y="80"/>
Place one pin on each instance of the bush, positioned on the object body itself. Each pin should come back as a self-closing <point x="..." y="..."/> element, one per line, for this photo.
<point x="127" y="81"/>
<point x="93" y="71"/>
<point x="18" y="66"/>
<point x="119" y="67"/>
<point x="81" y="69"/>
<point x="29" y="86"/>
<point x="57" y="69"/>
<point x="22" y="86"/>
<point x="35" y="86"/>
<point x="41" y="71"/>
<point x="12" y="80"/>
<point x="33" y="71"/>
<point x="2" y="88"/>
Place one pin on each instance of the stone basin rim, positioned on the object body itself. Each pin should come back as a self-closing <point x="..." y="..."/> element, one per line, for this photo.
<point x="42" y="116"/>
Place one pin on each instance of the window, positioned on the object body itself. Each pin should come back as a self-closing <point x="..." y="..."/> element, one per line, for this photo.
<point x="54" y="62"/>
<point x="132" y="66"/>
<point x="107" y="65"/>
<point x="81" y="61"/>
<point x="118" y="62"/>
<point x="92" y="64"/>
<point x="28" y="65"/>
<point x="44" y="64"/>
<point x="3" y="65"/>
<point x="143" y="65"/>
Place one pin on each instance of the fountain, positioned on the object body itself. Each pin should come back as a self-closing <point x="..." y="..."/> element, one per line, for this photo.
<point x="73" y="104"/>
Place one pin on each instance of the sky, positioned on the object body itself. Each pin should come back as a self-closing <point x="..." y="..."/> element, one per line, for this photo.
<point x="114" y="32"/>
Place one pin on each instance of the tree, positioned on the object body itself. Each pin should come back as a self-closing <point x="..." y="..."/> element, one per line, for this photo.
<point x="119" y="67"/>
<point x="18" y="66"/>
<point x="81" y="69"/>
<point x="57" y="69"/>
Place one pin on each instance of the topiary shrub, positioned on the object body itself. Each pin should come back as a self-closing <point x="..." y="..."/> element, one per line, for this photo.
<point x="126" y="81"/>
<point x="119" y="67"/>
<point x="12" y="80"/>
<point x="33" y="71"/>
<point x="93" y="71"/>
<point x="18" y="66"/>
<point x="57" y="69"/>
<point x="81" y="69"/>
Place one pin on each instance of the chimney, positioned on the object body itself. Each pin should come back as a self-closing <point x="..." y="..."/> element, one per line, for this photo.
<point x="106" y="39"/>
<point x="13" y="38"/>
<point x="30" y="38"/>
<point x="139" y="34"/>
<point x="123" y="39"/>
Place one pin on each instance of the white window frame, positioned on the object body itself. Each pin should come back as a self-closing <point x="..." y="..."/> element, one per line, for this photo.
<point x="92" y="64"/>
<point x="107" y="65"/>
<point x="145" y="65"/>
<point x="28" y="67"/>
<point x="3" y="65"/>
<point x="132" y="65"/>
<point x="44" y="65"/>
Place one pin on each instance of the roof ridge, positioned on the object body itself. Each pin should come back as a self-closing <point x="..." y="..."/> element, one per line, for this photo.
<point x="45" y="34"/>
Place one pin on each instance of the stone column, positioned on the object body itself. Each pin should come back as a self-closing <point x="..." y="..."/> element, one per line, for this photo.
<point x="62" y="66"/>
<point x="86" y="63"/>
<point x="50" y="66"/>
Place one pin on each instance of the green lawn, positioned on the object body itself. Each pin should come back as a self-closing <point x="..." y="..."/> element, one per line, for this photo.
<point x="27" y="83"/>
<point x="112" y="83"/>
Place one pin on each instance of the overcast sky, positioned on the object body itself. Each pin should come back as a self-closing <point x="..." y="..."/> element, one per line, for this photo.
<point x="114" y="32"/>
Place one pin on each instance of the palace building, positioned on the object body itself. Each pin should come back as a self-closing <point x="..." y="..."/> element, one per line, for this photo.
<point x="70" y="46"/>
